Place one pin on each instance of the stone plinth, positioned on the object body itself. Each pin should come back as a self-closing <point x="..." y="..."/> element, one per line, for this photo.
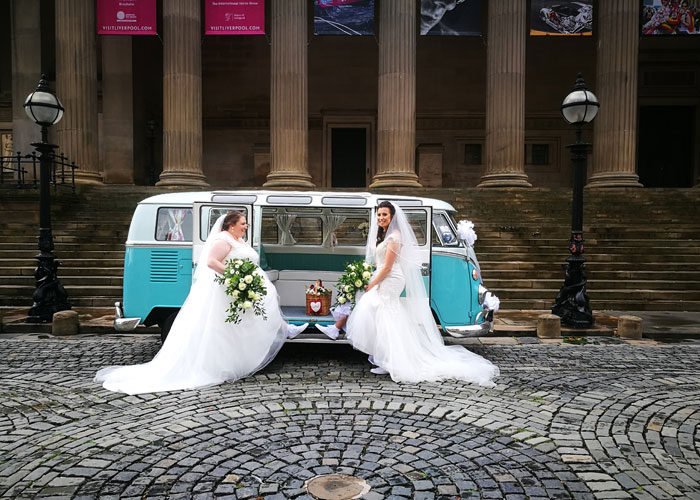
<point x="548" y="326"/>
<point x="65" y="323"/>
<point x="629" y="327"/>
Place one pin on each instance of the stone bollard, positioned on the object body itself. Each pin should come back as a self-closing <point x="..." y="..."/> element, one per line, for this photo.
<point x="629" y="327"/>
<point x="548" y="326"/>
<point x="65" y="323"/>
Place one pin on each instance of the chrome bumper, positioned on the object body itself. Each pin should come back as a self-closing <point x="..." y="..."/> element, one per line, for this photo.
<point x="121" y="323"/>
<point x="478" y="330"/>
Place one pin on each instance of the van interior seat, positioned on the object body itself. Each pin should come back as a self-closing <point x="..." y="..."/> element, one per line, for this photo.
<point x="292" y="284"/>
<point x="272" y="274"/>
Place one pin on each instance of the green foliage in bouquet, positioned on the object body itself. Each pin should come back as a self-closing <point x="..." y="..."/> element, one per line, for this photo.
<point x="354" y="279"/>
<point x="244" y="283"/>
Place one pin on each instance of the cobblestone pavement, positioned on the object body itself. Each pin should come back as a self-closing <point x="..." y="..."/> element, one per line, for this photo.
<point x="605" y="420"/>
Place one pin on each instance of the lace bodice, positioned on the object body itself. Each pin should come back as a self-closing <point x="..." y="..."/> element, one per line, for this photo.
<point x="239" y="248"/>
<point x="381" y="253"/>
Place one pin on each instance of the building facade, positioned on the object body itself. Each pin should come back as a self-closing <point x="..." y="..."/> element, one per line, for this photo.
<point x="294" y="109"/>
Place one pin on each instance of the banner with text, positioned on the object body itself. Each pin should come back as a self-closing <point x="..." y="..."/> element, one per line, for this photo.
<point x="454" y="18"/>
<point x="126" y="17"/>
<point x="561" y="17"/>
<point x="343" y="17"/>
<point x="234" y="17"/>
<point x="669" y="17"/>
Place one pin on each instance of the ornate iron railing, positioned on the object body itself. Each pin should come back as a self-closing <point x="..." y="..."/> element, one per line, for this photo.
<point x="14" y="170"/>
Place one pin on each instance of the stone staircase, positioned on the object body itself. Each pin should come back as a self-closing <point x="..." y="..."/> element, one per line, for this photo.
<point x="642" y="245"/>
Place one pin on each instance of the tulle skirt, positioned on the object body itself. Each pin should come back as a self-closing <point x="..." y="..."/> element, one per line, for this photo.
<point x="202" y="349"/>
<point x="383" y="325"/>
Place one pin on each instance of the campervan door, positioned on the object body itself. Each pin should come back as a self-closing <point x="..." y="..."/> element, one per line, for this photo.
<point x="205" y="214"/>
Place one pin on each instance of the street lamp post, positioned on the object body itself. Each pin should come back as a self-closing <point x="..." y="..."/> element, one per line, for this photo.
<point x="571" y="303"/>
<point x="45" y="109"/>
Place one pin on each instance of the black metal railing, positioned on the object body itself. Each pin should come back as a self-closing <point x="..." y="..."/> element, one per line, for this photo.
<point x="14" y="170"/>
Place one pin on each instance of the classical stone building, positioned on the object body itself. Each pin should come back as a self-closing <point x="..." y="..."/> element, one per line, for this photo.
<point x="291" y="109"/>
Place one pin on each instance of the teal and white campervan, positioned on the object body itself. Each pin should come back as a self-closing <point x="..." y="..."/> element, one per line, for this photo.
<point x="301" y="237"/>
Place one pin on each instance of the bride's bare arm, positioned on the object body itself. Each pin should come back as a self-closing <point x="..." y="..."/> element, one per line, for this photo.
<point x="217" y="254"/>
<point x="392" y="247"/>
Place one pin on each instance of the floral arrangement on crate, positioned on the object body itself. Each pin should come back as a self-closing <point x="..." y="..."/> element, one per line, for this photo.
<point x="244" y="283"/>
<point x="354" y="279"/>
<point x="318" y="289"/>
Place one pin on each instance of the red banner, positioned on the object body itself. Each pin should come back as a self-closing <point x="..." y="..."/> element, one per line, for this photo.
<point x="234" y="17"/>
<point x="126" y="17"/>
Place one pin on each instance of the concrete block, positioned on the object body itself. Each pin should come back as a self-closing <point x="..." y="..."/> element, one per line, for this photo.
<point x="65" y="323"/>
<point x="548" y="326"/>
<point x="629" y="327"/>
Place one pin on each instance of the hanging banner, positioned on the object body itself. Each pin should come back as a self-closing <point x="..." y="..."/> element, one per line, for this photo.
<point x="561" y="17"/>
<point x="670" y="17"/>
<point x="126" y="17"/>
<point x="234" y="17"/>
<point x="343" y="17"/>
<point x="450" y="17"/>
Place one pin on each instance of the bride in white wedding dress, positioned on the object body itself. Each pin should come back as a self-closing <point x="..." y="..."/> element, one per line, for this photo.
<point x="399" y="332"/>
<point x="201" y="348"/>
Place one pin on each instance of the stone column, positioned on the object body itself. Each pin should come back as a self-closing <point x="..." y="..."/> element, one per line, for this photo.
<point x="505" y="95"/>
<point x="615" y="127"/>
<point x="117" y="110"/>
<point x="396" y="106"/>
<point x="26" y="71"/>
<point x="289" y="135"/>
<point x="182" y="95"/>
<point x="76" y="87"/>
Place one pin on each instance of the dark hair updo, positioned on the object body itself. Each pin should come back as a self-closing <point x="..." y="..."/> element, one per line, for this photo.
<point x="231" y="219"/>
<point x="380" y="230"/>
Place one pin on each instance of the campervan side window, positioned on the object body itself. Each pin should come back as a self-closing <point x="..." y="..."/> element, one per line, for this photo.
<point x="419" y="225"/>
<point x="174" y="224"/>
<point x="443" y="235"/>
<point x="314" y="226"/>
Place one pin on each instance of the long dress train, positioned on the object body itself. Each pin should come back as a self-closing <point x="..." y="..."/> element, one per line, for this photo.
<point x="201" y="348"/>
<point x="396" y="332"/>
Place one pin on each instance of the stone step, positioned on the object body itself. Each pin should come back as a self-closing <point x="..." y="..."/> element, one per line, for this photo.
<point x="609" y="305"/>
<point x="82" y="254"/>
<point x="600" y="294"/>
<point x="66" y="263"/>
<point x="67" y="271"/>
<point x="595" y="274"/>
<point x="67" y="280"/>
<point x="593" y="284"/>
<point x="76" y="301"/>
<point x="487" y="265"/>
<point x="594" y="257"/>
<point x="73" y="291"/>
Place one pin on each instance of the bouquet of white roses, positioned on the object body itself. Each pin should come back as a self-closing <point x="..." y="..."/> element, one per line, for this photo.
<point x="243" y="281"/>
<point x="355" y="278"/>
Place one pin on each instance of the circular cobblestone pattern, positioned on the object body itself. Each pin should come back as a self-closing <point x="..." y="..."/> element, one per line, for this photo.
<point x="610" y="420"/>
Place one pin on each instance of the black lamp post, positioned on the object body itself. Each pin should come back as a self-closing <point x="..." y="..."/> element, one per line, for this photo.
<point x="571" y="303"/>
<point x="45" y="109"/>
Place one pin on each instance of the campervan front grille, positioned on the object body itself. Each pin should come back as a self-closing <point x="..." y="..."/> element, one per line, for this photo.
<point x="164" y="266"/>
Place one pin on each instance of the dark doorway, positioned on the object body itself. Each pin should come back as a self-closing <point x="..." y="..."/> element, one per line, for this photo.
<point x="666" y="146"/>
<point x="348" y="157"/>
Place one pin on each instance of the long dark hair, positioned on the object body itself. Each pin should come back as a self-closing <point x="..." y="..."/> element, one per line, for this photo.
<point x="380" y="230"/>
<point x="231" y="218"/>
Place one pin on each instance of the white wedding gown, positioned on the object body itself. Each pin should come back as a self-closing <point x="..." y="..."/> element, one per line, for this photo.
<point x="201" y="348"/>
<point x="383" y="325"/>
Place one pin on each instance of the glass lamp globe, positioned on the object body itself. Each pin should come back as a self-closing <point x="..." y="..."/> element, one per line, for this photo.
<point x="581" y="105"/>
<point x="43" y="106"/>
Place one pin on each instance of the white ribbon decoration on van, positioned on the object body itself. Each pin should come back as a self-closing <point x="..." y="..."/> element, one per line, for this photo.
<point x="465" y="232"/>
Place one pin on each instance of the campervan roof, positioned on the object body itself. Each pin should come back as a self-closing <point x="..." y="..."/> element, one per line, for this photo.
<point x="300" y="198"/>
